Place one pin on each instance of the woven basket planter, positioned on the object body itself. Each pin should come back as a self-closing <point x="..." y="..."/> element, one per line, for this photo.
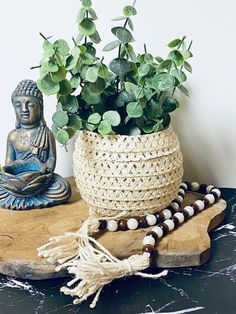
<point x="127" y="176"/>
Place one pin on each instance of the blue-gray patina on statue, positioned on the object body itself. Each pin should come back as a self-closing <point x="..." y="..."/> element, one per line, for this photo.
<point x="28" y="180"/>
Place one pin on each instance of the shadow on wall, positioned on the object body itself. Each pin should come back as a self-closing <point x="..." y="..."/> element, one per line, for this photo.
<point x="197" y="143"/>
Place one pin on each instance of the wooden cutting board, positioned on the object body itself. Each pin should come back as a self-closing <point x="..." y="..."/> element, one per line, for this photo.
<point x="22" y="232"/>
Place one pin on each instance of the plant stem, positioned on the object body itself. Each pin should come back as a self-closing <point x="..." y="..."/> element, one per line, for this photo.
<point x="86" y="38"/>
<point x="189" y="47"/>
<point x="145" y="48"/>
<point x="36" y="67"/>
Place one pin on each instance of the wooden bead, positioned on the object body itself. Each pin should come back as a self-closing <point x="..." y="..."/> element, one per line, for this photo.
<point x="195" y="186"/>
<point x="178" y="201"/>
<point x="112" y="225"/>
<point x="149" y="240"/>
<point x="148" y="248"/>
<point x="186" y="213"/>
<point x="210" y="198"/>
<point x="200" y="204"/>
<point x="132" y="223"/>
<point x="202" y="188"/>
<point x="164" y="228"/>
<point x="180" y="217"/>
<point x="209" y="188"/>
<point x="175" y="221"/>
<point x="142" y="222"/>
<point x="174" y="205"/>
<point x="151" y="220"/>
<point x="160" y="217"/>
<point x="167" y="213"/>
<point x="158" y="231"/>
<point x="170" y="224"/>
<point x="122" y="225"/>
<point x="102" y="224"/>
<point x="152" y="234"/>
<point x="189" y="210"/>
<point x="184" y="186"/>
<point x="188" y="183"/>
<point x="216" y="193"/>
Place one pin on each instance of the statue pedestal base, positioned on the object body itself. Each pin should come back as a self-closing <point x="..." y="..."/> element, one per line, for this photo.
<point x="22" y="232"/>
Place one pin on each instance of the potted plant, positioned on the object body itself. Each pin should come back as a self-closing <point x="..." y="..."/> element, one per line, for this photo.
<point x="127" y="160"/>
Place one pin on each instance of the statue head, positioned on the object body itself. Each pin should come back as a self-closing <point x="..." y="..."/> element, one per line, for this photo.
<point x="28" y="104"/>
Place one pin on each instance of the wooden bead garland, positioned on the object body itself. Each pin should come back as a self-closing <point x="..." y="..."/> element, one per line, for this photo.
<point x="212" y="194"/>
<point x="169" y="218"/>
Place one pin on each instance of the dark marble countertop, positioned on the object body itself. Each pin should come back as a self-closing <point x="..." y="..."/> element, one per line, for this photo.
<point x="209" y="289"/>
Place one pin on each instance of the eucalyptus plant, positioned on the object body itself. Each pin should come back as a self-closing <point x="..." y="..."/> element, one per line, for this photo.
<point x="133" y="95"/>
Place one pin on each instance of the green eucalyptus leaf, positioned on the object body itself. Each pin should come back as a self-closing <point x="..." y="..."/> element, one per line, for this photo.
<point x="47" y="46"/>
<point x="124" y="35"/>
<point x="186" y="54"/>
<point x="55" y="129"/>
<point x="148" y="127"/>
<point x="153" y="110"/>
<point x="104" y="128"/>
<point x="95" y="38"/>
<point x="62" y="137"/>
<point x="92" y="74"/>
<point x="119" y="18"/>
<point x="112" y="117"/>
<point x="60" y="119"/>
<point x="143" y="69"/>
<point x="81" y="15"/>
<point x="87" y="4"/>
<point x="187" y="66"/>
<point x="59" y="75"/>
<point x="65" y="88"/>
<point x="71" y="131"/>
<point x="180" y="75"/>
<point x="163" y="81"/>
<point x="61" y="47"/>
<point x="139" y="93"/>
<point x="157" y="127"/>
<point x="174" y="43"/>
<point x="90" y="97"/>
<point x="166" y="120"/>
<point x="47" y="86"/>
<point x="87" y="58"/>
<point x="102" y="71"/>
<point x="87" y="27"/>
<point x="51" y="66"/>
<point x="148" y="58"/>
<point x="98" y="86"/>
<point x="75" y="81"/>
<point x="159" y="59"/>
<point x="112" y="45"/>
<point x="94" y="118"/>
<point x="170" y="104"/>
<point x="130" y="88"/>
<point x="177" y="57"/>
<point x="183" y="90"/>
<point x="125" y="96"/>
<point x="119" y="66"/>
<point x="134" y="110"/>
<point x="131" y="25"/>
<point x="90" y="127"/>
<point x="129" y="10"/>
<point x="93" y="14"/>
<point x="166" y="64"/>
<point x="75" y="122"/>
<point x="69" y="103"/>
<point x="134" y="131"/>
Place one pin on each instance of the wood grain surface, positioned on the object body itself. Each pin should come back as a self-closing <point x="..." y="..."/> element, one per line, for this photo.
<point x="22" y="232"/>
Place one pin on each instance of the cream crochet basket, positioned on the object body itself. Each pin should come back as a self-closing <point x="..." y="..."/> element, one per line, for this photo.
<point x="127" y="176"/>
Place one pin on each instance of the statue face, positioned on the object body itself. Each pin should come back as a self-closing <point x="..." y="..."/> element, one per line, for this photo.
<point x="27" y="110"/>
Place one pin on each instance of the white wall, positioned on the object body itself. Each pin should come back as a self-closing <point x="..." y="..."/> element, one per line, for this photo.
<point x="206" y="122"/>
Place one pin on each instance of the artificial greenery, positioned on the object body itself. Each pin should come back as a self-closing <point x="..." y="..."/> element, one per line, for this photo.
<point x="133" y="96"/>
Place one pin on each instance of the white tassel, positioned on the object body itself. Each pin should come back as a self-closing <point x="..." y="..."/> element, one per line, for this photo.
<point x="95" y="267"/>
<point x="92" y="264"/>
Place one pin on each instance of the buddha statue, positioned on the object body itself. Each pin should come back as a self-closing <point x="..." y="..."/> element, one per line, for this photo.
<point x="28" y="180"/>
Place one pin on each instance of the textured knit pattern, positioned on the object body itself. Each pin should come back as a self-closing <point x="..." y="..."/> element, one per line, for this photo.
<point x="127" y="176"/>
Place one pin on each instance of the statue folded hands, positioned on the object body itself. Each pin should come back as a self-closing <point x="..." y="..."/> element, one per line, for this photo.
<point x="28" y="180"/>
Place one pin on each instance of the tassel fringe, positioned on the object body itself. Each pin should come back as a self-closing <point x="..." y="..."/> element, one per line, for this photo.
<point x="91" y="264"/>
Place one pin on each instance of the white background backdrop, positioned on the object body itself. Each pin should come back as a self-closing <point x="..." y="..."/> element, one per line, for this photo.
<point x="205" y="123"/>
